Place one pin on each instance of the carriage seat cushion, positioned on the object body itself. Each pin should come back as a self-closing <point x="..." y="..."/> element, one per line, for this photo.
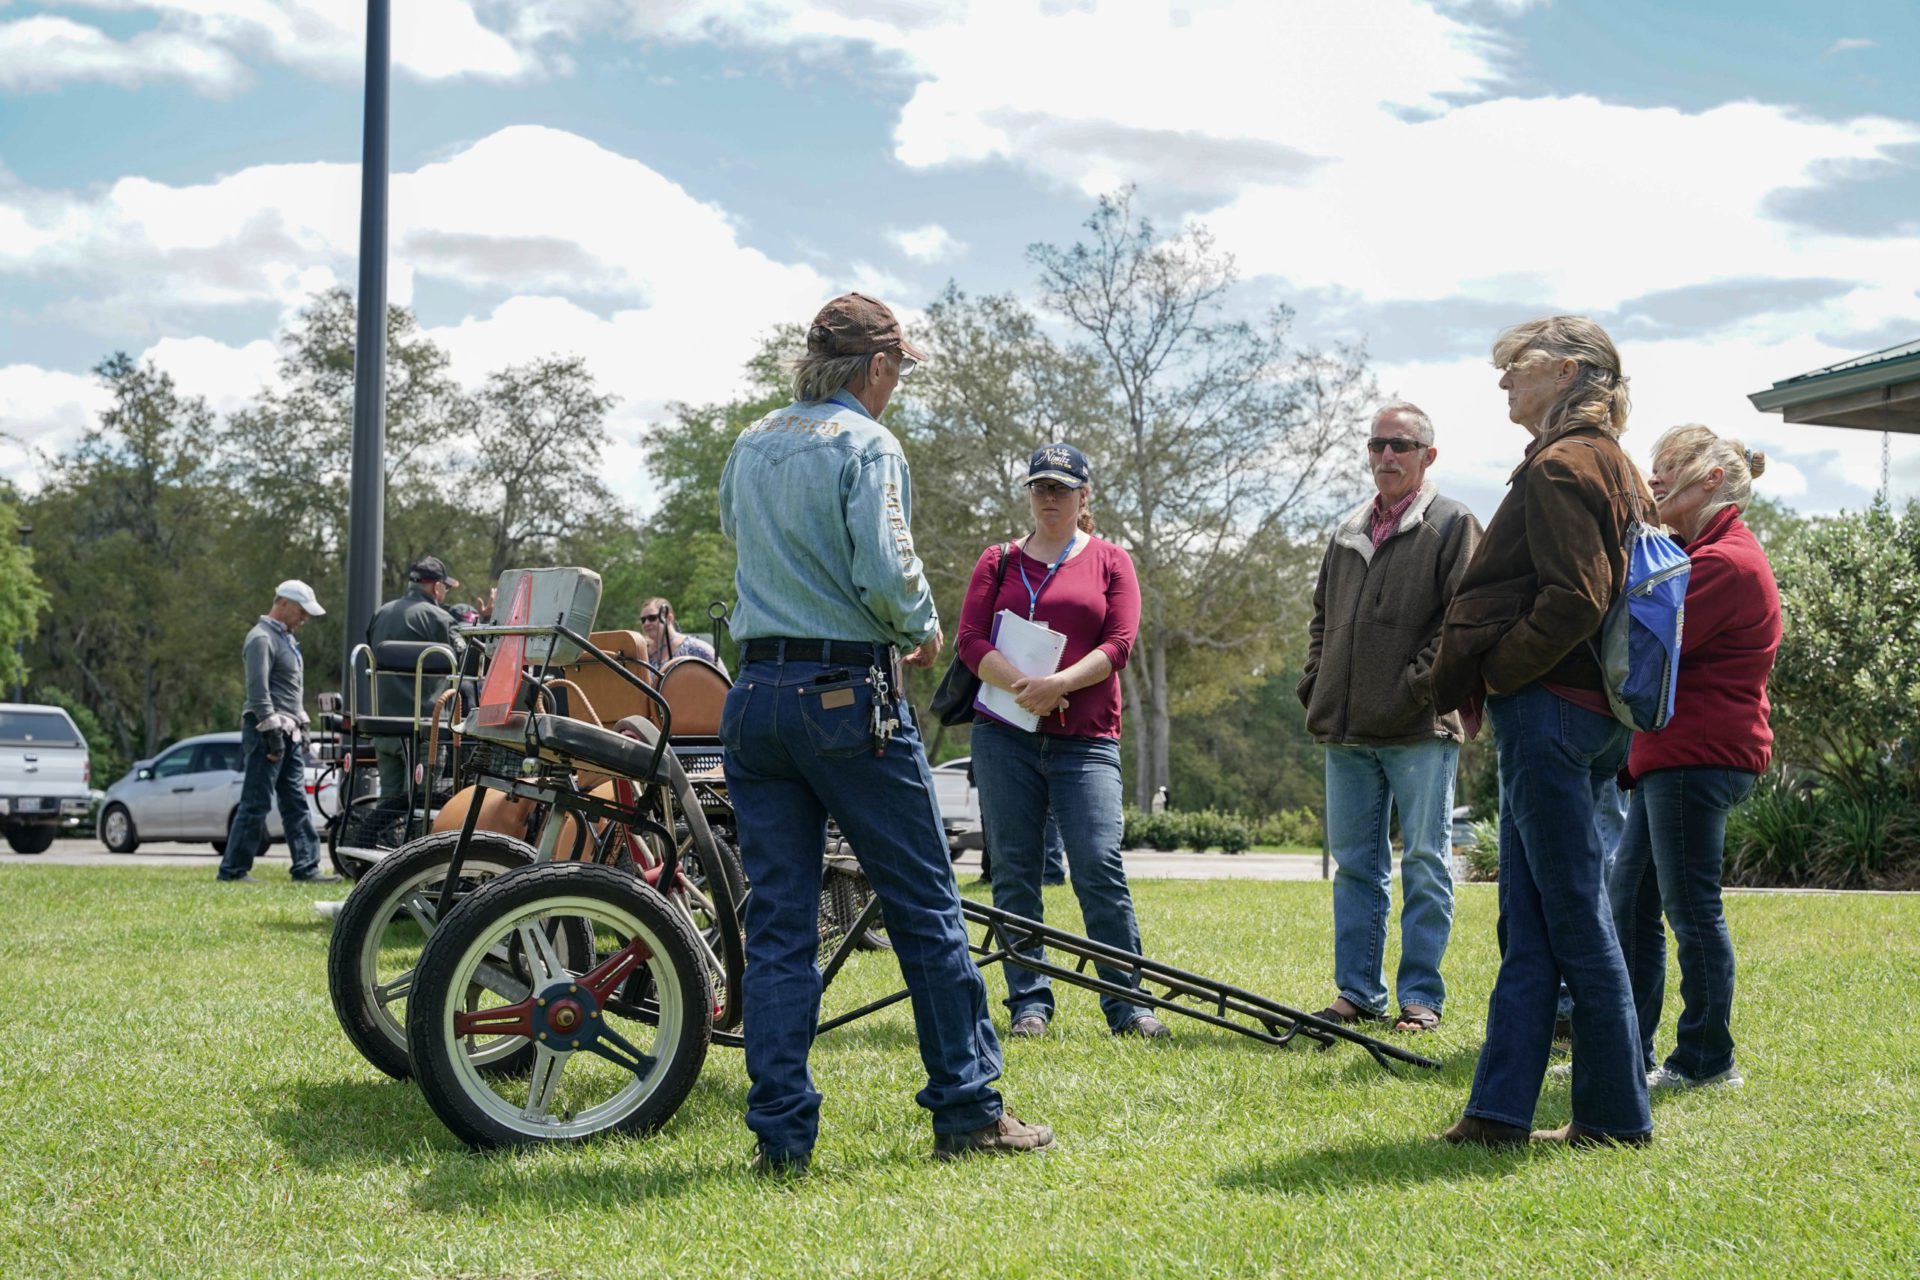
<point x="397" y="657"/>
<point x="589" y="744"/>
<point x="385" y="726"/>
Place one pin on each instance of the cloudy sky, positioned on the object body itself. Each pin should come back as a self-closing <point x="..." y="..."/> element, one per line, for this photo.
<point x="1731" y="186"/>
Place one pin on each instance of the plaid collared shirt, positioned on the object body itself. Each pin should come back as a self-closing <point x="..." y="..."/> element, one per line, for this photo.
<point x="1386" y="520"/>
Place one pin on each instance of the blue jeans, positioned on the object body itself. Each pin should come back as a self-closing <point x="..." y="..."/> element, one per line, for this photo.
<point x="1363" y="784"/>
<point x="1021" y="776"/>
<point x="794" y="760"/>
<point x="1053" y="866"/>
<point x="1558" y="923"/>
<point x="266" y="781"/>
<point x="1609" y="822"/>
<point x="1670" y="860"/>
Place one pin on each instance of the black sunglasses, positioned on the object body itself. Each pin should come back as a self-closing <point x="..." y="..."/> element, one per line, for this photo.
<point x="650" y="617"/>
<point x="1380" y="444"/>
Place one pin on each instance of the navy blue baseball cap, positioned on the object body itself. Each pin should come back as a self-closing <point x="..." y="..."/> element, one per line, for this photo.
<point x="1060" y="463"/>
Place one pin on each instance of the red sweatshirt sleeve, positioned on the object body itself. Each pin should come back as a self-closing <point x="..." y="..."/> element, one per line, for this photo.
<point x="1123" y="609"/>
<point x="974" y="641"/>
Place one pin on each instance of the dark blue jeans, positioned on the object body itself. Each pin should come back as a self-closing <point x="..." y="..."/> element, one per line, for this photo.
<point x="1558" y="923"/>
<point x="267" y="781"/>
<point x="1021" y="776"/>
<point x="798" y="751"/>
<point x="1670" y="860"/>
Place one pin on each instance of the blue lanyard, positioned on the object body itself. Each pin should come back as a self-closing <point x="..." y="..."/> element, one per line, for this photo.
<point x="1033" y="592"/>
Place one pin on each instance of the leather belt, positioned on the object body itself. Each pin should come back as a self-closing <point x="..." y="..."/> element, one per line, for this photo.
<point x="860" y="653"/>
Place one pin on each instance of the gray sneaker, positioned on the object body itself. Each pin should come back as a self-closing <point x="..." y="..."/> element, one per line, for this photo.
<point x="1664" y="1078"/>
<point x="1007" y="1136"/>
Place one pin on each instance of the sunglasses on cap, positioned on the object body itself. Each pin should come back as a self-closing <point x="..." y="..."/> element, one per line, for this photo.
<point x="1380" y="444"/>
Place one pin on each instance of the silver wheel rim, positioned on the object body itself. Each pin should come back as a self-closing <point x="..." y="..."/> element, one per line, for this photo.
<point x="117" y="827"/>
<point x="410" y="900"/>
<point x="548" y="1103"/>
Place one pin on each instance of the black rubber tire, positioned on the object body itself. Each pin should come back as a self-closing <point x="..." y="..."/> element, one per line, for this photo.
<point x="377" y="898"/>
<point x="467" y="1101"/>
<point x="130" y="841"/>
<point x="34" y="838"/>
<point x="726" y="932"/>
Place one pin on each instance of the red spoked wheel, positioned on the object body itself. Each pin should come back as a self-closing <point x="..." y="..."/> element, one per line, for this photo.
<point x="617" y="1044"/>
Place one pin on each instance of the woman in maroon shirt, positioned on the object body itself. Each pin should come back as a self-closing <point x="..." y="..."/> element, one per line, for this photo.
<point x="1687" y="776"/>
<point x="1082" y="586"/>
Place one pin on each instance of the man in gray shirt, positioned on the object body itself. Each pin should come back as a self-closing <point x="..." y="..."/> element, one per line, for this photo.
<point x="272" y="724"/>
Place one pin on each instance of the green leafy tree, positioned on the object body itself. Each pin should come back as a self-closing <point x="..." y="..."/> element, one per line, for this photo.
<point x="137" y="561"/>
<point x="1226" y="450"/>
<point x="22" y="600"/>
<point x="534" y="478"/>
<point x="1846" y="684"/>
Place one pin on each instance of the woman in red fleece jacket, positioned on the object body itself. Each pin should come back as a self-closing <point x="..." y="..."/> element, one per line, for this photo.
<point x="1688" y="775"/>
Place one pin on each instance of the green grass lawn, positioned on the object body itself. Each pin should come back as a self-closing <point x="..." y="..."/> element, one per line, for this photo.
<point x="178" y="1100"/>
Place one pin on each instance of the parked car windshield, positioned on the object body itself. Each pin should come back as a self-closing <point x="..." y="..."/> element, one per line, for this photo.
<point x="38" y="728"/>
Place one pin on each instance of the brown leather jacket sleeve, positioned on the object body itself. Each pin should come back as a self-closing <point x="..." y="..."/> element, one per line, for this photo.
<point x="1575" y="533"/>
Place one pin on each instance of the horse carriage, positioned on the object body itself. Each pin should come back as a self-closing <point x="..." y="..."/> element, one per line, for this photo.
<point x="557" y="940"/>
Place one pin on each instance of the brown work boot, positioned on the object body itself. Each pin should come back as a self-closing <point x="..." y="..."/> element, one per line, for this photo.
<point x="1479" y="1131"/>
<point x="1007" y="1136"/>
<point x="1576" y="1135"/>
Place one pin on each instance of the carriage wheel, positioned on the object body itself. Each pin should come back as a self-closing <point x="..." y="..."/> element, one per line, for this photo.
<point x="379" y="933"/>
<point x="713" y="892"/>
<point x="601" y="1062"/>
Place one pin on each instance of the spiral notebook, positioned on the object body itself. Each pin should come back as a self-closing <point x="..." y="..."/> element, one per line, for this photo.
<point x="1034" y="650"/>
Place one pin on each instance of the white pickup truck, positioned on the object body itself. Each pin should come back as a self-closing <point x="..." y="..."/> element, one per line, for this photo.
<point x="45" y="774"/>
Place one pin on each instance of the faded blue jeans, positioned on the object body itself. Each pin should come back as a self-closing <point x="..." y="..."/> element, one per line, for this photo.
<point x="1020" y="775"/>
<point x="793" y="760"/>
<point x="1670" y="860"/>
<point x="1558" y="922"/>
<point x="266" y="782"/>
<point x="1364" y="784"/>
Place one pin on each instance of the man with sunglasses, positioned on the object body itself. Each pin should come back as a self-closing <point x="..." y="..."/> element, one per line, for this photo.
<point x="831" y="598"/>
<point x="1388" y="574"/>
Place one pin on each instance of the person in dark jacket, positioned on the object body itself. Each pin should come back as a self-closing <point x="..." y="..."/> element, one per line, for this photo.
<point x="1686" y="776"/>
<point x="1386" y="578"/>
<point x="420" y="616"/>
<point x="1519" y="634"/>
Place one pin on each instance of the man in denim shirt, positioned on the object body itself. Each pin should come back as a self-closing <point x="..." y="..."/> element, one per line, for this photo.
<point x="270" y="730"/>
<point x="818" y="503"/>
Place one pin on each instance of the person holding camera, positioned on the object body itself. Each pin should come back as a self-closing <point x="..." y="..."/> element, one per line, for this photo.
<point x="272" y="724"/>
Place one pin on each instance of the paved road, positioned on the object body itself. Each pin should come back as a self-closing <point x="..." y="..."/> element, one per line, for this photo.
<point x="1142" y="864"/>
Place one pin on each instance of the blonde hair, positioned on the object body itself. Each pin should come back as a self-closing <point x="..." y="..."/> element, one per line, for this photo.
<point x="1695" y="450"/>
<point x="1598" y="396"/>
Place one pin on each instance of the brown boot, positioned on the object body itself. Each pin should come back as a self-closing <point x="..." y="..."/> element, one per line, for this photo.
<point x="1007" y="1136"/>
<point x="1576" y="1135"/>
<point x="1480" y="1131"/>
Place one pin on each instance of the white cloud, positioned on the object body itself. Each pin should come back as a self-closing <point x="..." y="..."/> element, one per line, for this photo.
<point x="931" y="243"/>
<point x="44" y="52"/>
<point x="545" y="218"/>
<point x="1849" y="44"/>
<point x="42" y="411"/>
<point x="432" y="39"/>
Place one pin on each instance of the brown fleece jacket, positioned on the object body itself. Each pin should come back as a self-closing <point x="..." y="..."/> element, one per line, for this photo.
<point x="1553" y="557"/>
<point x="1376" y="622"/>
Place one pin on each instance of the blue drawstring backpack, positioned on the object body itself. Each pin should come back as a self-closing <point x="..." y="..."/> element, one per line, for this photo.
<point x="1638" y="644"/>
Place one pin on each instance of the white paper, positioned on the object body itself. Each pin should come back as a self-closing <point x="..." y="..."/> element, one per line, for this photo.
<point x="1033" y="649"/>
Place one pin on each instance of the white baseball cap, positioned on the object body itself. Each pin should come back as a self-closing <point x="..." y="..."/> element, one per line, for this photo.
<point x="301" y="594"/>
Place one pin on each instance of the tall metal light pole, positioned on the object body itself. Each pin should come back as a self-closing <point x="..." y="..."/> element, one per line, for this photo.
<point x="366" y="504"/>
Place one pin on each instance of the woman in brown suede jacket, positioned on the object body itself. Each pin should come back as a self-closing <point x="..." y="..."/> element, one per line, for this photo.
<point x="1519" y="634"/>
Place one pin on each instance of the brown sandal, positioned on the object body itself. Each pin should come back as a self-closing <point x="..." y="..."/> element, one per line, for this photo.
<point x="1333" y="1014"/>
<point x="1417" y="1017"/>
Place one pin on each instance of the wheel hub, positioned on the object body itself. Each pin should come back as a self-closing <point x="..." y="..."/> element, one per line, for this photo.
<point x="566" y="1017"/>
